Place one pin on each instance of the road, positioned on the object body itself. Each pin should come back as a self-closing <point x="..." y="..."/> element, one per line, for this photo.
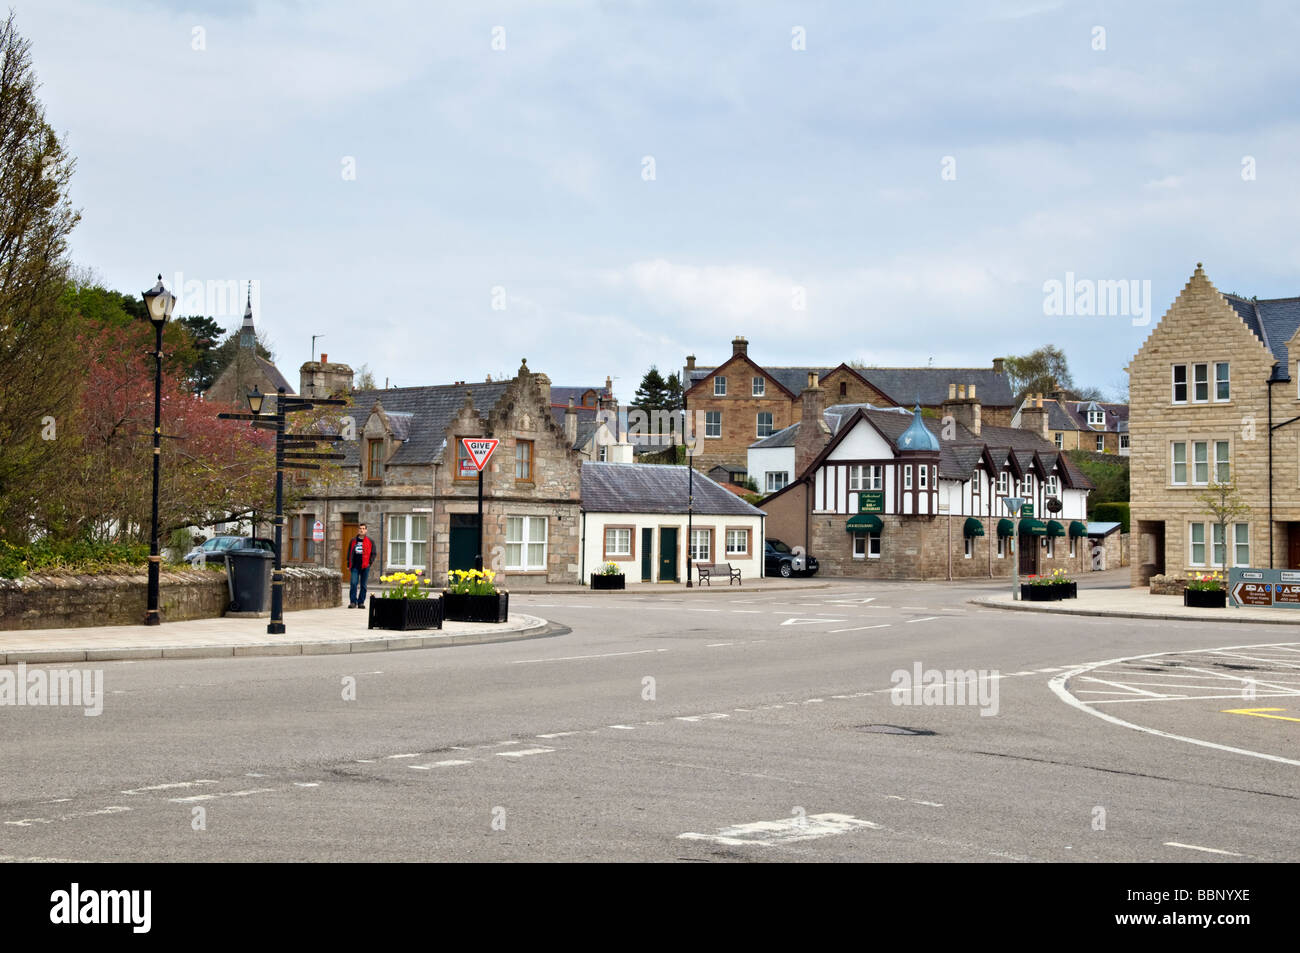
<point x="732" y="726"/>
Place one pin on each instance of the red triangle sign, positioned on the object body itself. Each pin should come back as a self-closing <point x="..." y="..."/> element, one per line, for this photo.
<point x="479" y="450"/>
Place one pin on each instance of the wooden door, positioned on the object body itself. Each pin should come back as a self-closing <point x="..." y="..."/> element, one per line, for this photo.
<point x="1028" y="546"/>
<point x="349" y="534"/>
<point x="1293" y="546"/>
<point x="668" y="554"/>
<point x="647" y="555"/>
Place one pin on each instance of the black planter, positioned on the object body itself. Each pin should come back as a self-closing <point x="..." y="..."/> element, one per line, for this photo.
<point x="461" y="607"/>
<point x="609" y="582"/>
<point x="1205" y="598"/>
<point x="1030" y="593"/>
<point x="1067" y="590"/>
<point x="404" y="614"/>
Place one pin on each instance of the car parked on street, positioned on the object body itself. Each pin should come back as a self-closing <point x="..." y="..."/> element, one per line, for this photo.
<point x="216" y="548"/>
<point x="781" y="560"/>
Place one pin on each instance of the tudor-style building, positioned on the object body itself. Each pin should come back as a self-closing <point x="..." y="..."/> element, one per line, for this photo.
<point x="406" y="477"/>
<point x="891" y="493"/>
<point x="741" y="401"/>
<point x="1213" y="396"/>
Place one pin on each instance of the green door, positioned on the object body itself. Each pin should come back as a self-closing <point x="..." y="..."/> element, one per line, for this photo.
<point x="647" y="557"/>
<point x="668" y="555"/>
<point x="463" y="545"/>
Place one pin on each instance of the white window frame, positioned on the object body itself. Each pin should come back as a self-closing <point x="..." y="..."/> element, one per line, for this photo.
<point x="1192" y="544"/>
<point x="1123" y="441"/>
<point x="758" y="423"/>
<point x="408" y="540"/>
<point x="1096" y="418"/>
<point x="859" y="545"/>
<point x="1175" y="383"/>
<point x="1218" y="545"/>
<point x="1222" y="378"/>
<point x="719" y="387"/>
<point x="617" y="550"/>
<point x="524" y="546"/>
<point x="743" y="551"/>
<point x="712" y="420"/>
<point x="922" y="477"/>
<point x="1196" y="475"/>
<point x="783" y="475"/>
<point x="1225" y="462"/>
<point x="1004" y="483"/>
<point x="1101" y="443"/>
<point x="873" y="545"/>
<point x="760" y="387"/>
<point x="1002" y="546"/>
<point x="1175" y="463"/>
<point x="907" y="476"/>
<point x="1058" y="438"/>
<point x="707" y="535"/>
<point x="1050" y="546"/>
<point x="1237" y="543"/>
<point x="1052" y="488"/>
<point x="1073" y="550"/>
<point x="1200" y="378"/>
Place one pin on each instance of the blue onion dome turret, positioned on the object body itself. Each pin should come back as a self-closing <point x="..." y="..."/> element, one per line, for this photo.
<point x="917" y="436"/>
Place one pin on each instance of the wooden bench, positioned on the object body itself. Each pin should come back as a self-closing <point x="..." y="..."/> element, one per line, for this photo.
<point x="719" y="569"/>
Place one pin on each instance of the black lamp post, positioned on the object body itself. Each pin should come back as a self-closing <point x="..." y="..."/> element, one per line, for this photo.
<point x="689" y="437"/>
<point x="159" y="302"/>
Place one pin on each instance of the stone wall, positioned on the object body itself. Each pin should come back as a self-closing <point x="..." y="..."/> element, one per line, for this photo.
<point x="77" y="601"/>
<point x="1168" y="585"/>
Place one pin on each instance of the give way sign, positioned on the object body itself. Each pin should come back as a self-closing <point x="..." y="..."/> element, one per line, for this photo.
<point x="479" y="450"/>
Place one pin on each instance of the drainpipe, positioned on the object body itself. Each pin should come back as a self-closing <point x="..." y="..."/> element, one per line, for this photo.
<point x="1269" y="390"/>
<point x="950" y="547"/>
<point x="582" y="551"/>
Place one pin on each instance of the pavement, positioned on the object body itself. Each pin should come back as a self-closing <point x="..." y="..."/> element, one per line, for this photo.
<point x="1140" y="604"/>
<point x="335" y="631"/>
<point x="768" y="584"/>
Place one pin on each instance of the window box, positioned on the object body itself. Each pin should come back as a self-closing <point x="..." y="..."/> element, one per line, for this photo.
<point x="463" y="607"/>
<point x="600" y="581"/>
<point x="1205" y="598"/>
<point x="405" y="614"/>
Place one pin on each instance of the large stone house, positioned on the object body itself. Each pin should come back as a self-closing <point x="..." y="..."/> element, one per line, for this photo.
<point x="891" y="493"/>
<point x="407" y="477"/>
<point x="740" y="401"/>
<point x="1092" y="425"/>
<point x="1210" y="384"/>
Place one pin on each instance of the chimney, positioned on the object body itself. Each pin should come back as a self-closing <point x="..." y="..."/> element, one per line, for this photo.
<point x="999" y="365"/>
<point x="813" y="433"/>
<point x="962" y="406"/>
<point x="739" y="346"/>
<point x="1033" y="416"/>
<point x="324" y="358"/>
<point x="323" y="379"/>
<point x="690" y="362"/>
<point x="571" y="423"/>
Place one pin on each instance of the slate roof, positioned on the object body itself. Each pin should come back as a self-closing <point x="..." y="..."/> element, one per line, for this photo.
<point x="274" y="376"/>
<point x="784" y="437"/>
<point x="905" y="385"/>
<point x="1273" y="321"/>
<point x="1073" y="414"/>
<point x="793" y="379"/>
<point x="428" y="411"/>
<point x="655" y="488"/>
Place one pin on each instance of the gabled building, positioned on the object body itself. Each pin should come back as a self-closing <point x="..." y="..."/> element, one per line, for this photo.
<point x="247" y="370"/>
<point x="1213" y="396"/>
<point x="1092" y="425"/>
<point x="742" y="401"/>
<point x="408" y="478"/>
<point x="891" y="493"/>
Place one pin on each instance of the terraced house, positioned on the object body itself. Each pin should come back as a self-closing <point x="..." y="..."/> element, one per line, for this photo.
<point x="891" y="493"/>
<point x="1093" y="425"/>
<point x="407" y="477"/>
<point x="742" y="401"/>
<point x="1214" y="395"/>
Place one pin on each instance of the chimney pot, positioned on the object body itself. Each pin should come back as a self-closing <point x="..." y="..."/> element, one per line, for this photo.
<point x="739" y="345"/>
<point x="999" y="366"/>
<point x="690" y="362"/>
<point x="952" y="391"/>
<point x="961" y="391"/>
<point x="324" y="358"/>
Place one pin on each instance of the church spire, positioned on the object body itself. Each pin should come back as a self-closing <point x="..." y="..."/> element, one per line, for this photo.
<point x="247" y="333"/>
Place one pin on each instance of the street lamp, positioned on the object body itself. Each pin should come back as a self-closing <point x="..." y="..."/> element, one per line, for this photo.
<point x="159" y="303"/>
<point x="689" y="441"/>
<point x="1013" y="504"/>
<point x="255" y="400"/>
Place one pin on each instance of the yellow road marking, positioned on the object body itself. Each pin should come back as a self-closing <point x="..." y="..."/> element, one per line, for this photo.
<point x="1258" y="713"/>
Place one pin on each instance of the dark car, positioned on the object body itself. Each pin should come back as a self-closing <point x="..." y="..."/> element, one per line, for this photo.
<point x="781" y="560"/>
<point x="215" y="549"/>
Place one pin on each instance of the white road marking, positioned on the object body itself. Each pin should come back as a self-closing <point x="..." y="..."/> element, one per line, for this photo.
<point x="703" y="610"/>
<point x="749" y="611"/>
<point x="929" y="618"/>
<point x="712" y="716"/>
<point x="814" y="701"/>
<point x="912" y="800"/>
<point x="213" y="797"/>
<point x="1208" y="850"/>
<point x="365" y="760"/>
<point x="578" y="658"/>
<point x="306" y="784"/>
<point x="718" y="645"/>
<point x="523" y="752"/>
<point x="1134" y="691"/>
<point x="449" y="763"/>
<point x="1057" y="684"/>
<point x="168" y="787"/>
<point x="623" y="727"/>
<point x="29" y="821"/>
<point x="393" y="757"/>
<point x="797" y="621"/>
<point x="557" y="734"/>
<point x="883" y="625"/>
<point x="784" y="831"/>
<point x="916" y="608"/>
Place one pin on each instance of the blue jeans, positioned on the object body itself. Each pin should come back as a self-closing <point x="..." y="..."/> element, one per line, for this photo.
<point x="358" y="576"/>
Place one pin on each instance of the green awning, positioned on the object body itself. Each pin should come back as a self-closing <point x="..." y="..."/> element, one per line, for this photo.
<point x="973" y="527"/>
<point x="864" y="523"/>
<point x="1032" y="527"/>
<point x="1006" y="528"/>
<point x="1078" y="529"/>
<point x="1054" y="528"/>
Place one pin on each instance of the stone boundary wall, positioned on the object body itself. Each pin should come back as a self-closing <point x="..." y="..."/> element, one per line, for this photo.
<point x="77" y="601"/>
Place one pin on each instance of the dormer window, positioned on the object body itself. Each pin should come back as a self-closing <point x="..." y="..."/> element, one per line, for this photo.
<point x="1096" y="418"/>
<point x="374" y="460"/>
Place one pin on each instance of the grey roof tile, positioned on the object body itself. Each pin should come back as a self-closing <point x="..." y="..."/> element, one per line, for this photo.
<point x="655" y="488"/>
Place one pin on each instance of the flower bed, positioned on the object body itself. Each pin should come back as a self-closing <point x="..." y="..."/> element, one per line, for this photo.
<point x="1205" y="591"/>
<point x="472" y="596"/>
<point x="609" y="577"/>
<point x="404" y="614"/>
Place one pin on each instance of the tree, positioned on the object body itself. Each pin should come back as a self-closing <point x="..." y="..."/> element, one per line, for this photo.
<point x="1110" y="478"/>
<point x="205" y="335"/>
<point x="365" y="378"/>
<point x="38" y="374"/>
<point x="652" y="396"/>
<point x="224" y="355"/>
<point x="1039" y="372"/>
<point x="673" y="391"/>
<point x="1222" y="501"/>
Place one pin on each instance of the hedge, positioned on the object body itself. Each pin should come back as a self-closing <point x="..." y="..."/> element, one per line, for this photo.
<point x="1111" y="513"/>
<point x="74" y="556"/>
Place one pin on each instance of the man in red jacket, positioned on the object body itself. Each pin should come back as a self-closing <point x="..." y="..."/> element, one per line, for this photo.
<point x="360" y="552"/>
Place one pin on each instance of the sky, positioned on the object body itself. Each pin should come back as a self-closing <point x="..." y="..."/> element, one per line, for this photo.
<point x="444" y="189"/>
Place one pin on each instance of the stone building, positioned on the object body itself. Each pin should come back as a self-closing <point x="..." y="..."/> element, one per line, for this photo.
<point x="1211" y="381"/>
<point x="742" y="401"/>
<point x="890" y="493"/>
<point x="1092" y="425"/>
<point x="247" y="370"/>
<point x="407" y="477"/>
